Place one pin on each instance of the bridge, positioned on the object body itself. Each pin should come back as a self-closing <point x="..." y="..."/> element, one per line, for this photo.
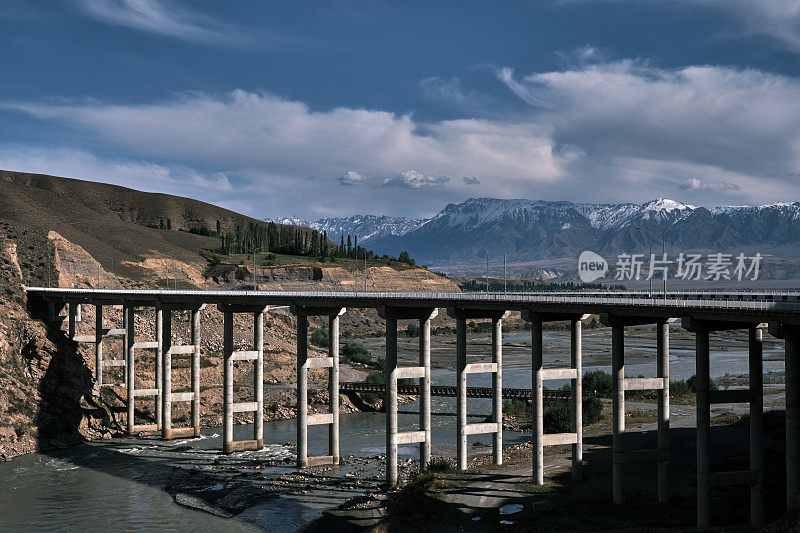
<point x="452" y="392"/>
<point x="777" y="312"/>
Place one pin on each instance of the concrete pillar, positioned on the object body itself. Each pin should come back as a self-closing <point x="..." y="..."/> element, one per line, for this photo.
<point x="130" y="363"/>
<point x="195" y="340"/>
<point x="227" y="383"/>
<point x="98" y="345"/>
<point x="425" y="392"/>
<point x="71" y="320"/>
<point x="461" y="394"/>
<point x="333" y="387"/>
<point x="166" y="374"/>
<point x="258" y="386"/>
<point x="618" y="413"/>
<point x="390" y="401"/>
<point x="124" y="345"/>
<point x="159" y="399"/>
<point x="78" y="313"/>
<point x="703" y="430"/>
<point x="662" y="349"/>
<point x="756" y="427"/>
<point x="302" y="391"/>
<point x="792" y="365"/>
<point x="497" y="389"/>
<point x="51" y="313"/>
<point x="577" y="398"/>
<point x="537" y="388"/>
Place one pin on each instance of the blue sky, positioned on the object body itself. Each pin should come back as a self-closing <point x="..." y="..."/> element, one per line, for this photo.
<point x="321" y="109"/>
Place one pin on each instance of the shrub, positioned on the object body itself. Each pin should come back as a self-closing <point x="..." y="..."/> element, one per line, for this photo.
<point x="598" y="383"/>
<point x="557" y="417"/>
<point x="441" y="465"/>
<point x="319" y="338"/>
<point x="412" y="330"/>
<point x="355" y="353"/>
<point x="592" y="410"/>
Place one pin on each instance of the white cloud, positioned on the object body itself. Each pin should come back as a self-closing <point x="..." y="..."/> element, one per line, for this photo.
<point x="447" y="89"/>
<point x="144" y="176"/>
<point x="776" y="19"/>
<point x="471" y="180"/>
<point x="694" y="184"/>
<point x="354" y="178"/>
<point x="161" y="17"/>
<point x="414" y="179"/>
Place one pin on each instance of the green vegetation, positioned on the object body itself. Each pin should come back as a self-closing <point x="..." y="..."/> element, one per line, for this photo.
<point x="412" y="330"/>
<point x="601" y="384"/>
<point x="557" y="416"/>
<point x="319" y="338"/>
<point x="440" y="465"/>
<point x="356" y="353"/>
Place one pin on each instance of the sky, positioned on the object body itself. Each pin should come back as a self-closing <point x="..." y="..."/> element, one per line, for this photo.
<point x="320" y="109"/>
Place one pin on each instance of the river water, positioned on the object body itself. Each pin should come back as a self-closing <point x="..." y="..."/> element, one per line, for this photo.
<point x="120" y="485"/>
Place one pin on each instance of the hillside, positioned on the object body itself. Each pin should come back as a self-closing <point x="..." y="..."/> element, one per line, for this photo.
<point x="109" y="222"/>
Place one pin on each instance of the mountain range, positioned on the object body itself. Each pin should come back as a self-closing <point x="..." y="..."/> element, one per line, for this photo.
<point x="549" y="232"/>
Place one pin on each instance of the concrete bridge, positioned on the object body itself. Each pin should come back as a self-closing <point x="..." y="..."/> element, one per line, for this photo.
<point x="452" y="392"/>
<point x="699" y="312"/>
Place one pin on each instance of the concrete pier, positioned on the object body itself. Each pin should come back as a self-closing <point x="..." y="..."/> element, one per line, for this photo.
<point x="231" y="357"/>
<point x="98" y="345"/>
<point x="463" y="369"/>
<point x="703" y="429"/>
<point x="621" y="455"/>
<point x="132" y="392"/>
<point x="791" y="336"/>
<point x="392" y="373"/>
<point x="331" y="362"/>
<point x="168" y="350"/>
<point x="539" y="374"/>
<point x="756" y="365"/>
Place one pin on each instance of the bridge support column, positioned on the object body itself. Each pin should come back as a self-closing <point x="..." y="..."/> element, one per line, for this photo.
<point x="159" y="369"/>
<point x="537" y="390"/>
<point x="98" y="345"/>
<point x="131" y="345"/>
<point x="539" y="374"/>
<point x="662" y="349"/>
<point x="706" y="478"/>
<point x="792" y="365"/>
<point x="621" y="455"/>
<point x="756" y="426"/>
<point x="462" y="369"/>
<point x="256" y="355"/>
<point x="425" y="391"/>
<point x="394" y="437"/>
<point x="193" y="395"/>
<point x="791" y="336"/>
<point x="497" y="389"/>
<point x="331" y="362"/>
<point x="71" y="321"/>
<point x="618" y="411"/>
<point x="577" y="398"/>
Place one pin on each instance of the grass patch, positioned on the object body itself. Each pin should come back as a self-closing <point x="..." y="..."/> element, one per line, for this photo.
<point x="440" y="465"/>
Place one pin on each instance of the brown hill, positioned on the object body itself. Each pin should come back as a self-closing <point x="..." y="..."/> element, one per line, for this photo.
<point x="108" y="221"/>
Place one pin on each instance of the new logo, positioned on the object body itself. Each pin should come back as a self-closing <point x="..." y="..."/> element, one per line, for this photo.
<point x="591" y="266"/>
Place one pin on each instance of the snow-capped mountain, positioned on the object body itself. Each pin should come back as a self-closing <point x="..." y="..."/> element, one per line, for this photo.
<point x="534" y="230"/>
<point x="366" y="227"/>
